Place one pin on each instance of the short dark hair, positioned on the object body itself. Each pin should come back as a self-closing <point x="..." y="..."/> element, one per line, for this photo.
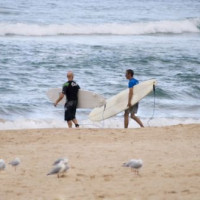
<point x="130" y="71"/>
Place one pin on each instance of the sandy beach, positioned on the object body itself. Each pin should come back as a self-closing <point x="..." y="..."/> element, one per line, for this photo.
<point x="171" y="157"/>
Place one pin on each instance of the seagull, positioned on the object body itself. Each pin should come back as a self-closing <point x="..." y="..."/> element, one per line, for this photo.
<point x="15" y="163"/>
<point x="65" y="160"/>
<point x="134" y="164"/>
<point x="59" y="168"/>
<point x="2" y="165"/>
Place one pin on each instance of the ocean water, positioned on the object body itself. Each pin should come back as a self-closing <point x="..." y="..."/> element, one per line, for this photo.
<point x="98" y="40"/>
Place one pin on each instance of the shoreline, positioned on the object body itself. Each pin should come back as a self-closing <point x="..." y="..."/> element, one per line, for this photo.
<point x="114" y="123"/>
<point x="170" y="155"/>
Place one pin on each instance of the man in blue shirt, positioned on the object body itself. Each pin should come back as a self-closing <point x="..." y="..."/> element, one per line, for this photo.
<point x="132" y="110"/>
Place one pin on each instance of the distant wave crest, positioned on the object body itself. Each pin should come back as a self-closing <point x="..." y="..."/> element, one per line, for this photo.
<point x="139" y="28"/>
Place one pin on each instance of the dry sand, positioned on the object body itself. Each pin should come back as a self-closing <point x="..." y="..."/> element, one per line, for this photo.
<point x="171" y="168"/>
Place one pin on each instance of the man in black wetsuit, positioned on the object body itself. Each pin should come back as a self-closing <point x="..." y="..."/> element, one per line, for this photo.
<point x="70" y="90"/>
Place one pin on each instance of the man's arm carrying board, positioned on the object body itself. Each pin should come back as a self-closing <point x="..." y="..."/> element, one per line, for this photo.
<point x="118" y="103"/>
<point x="86" y="99"/>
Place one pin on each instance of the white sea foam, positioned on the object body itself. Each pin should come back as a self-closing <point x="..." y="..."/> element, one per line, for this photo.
<point x="139" y="28"/>
<point x="109" y="123"/>
<point x="31" y="124"/>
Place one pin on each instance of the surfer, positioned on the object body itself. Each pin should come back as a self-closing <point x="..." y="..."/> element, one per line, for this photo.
<point x="132" y="110"/>
<point x="70" y="89"/>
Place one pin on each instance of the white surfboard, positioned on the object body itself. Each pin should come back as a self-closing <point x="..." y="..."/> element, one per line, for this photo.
<point x="118" y="103"/>
<point x="86" y="99"/>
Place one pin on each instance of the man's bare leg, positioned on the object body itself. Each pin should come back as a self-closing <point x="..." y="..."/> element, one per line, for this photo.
<point x="137" y="120"/>
<point x="69" y="124"/>
<point x="75" y="122"/>
<point x="126" y="120"/>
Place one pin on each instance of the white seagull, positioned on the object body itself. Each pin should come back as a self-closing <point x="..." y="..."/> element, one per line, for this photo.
<point x="15" y="163"/>
<point x="134" y="164"/>
<point x="2" y="165"/>
<point x="59" y="168"/>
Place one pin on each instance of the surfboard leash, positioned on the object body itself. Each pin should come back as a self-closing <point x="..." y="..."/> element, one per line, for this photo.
<point x="154" y="104"/>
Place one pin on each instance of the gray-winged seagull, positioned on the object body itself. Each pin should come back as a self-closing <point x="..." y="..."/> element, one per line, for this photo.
<point x="59" y="168"/>
<point x="15" y="163"/>
<point x="134" y="164"/>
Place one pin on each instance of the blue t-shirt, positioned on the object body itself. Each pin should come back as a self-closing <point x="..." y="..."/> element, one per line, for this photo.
<point x="132" y="82"/>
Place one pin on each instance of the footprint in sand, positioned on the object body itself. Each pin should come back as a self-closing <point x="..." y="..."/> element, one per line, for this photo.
<point x="107" y="177"/>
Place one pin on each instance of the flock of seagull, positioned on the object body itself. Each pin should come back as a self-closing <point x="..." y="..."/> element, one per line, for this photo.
<point x="61" y="166"/>
<point x="14" y="163"/>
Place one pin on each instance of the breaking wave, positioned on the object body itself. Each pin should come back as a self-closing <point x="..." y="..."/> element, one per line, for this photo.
<point x="139" y="28"/>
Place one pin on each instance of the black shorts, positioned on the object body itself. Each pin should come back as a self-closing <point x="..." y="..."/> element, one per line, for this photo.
<point x="70" y="110"/>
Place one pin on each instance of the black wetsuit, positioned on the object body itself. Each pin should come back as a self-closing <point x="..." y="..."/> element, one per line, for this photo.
<point x="70" y="90"/>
